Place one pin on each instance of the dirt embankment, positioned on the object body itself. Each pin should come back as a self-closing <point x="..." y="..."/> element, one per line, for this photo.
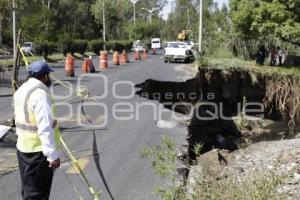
<point x="251" y="117"/>
<point x="231" y="108"/>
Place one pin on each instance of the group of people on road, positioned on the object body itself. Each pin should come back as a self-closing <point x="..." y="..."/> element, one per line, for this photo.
<point x="276" y="54"/>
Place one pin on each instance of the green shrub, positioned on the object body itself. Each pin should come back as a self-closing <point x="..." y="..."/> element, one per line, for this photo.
<point x="127" y="45"/>
<point x="44" y="48"/>
<point x="210" y="183"/>
<point x="66" y="45"/>
<point x="96" y="46"/>
<point x="5" y="65"/>
<point x="113" y="45"/>
<point x="119" y="45"/>
<point x="110" y="45"/>
<point x="80" y="46"/>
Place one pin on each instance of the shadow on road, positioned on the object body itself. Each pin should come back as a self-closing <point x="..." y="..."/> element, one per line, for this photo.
<point x="97" y="162"/>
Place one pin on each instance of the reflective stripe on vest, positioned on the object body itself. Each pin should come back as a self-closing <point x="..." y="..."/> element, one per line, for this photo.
<point x="26" y="127"/>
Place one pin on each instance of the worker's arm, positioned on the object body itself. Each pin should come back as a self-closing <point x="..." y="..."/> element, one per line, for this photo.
<point x="43" y="114"/>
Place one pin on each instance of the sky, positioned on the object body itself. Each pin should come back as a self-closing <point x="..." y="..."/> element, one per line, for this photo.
<point x="168" y="7"/>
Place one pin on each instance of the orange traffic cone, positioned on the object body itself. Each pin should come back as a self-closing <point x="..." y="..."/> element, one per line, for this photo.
<point x="69" y="66"/>
<point x="124" y="58"/>
<point x="88" y="66"/>
<point x="136" y="56"/>
<point x="85" y="68"/>
<point x="103" y="60"/>
<point x="145" y="54"/>
<point x="91" y="65"/>
<point x="116" y="58"/>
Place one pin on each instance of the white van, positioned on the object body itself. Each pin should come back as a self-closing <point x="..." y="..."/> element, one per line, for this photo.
<point x="156" y="43"/>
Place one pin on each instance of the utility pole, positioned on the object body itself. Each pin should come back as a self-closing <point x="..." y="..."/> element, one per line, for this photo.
<point x="14" y="29"/>
<point x="134" y="2"/>
<point x="188" y="16"/>
<point x="103" y="18"/>
<point x="200" y="27"/>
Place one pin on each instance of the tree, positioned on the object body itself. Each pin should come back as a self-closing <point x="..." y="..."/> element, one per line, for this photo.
<point x="145" y="31"/>
<point x="5" y="8"/>
<point x="117" y="13"/>
<point x="267" y="18"/>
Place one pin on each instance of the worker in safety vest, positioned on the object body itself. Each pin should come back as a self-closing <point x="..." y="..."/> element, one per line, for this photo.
<point x="38" y="135"/>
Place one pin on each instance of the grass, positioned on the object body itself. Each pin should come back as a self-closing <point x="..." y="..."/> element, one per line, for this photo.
<point x="5" y="65"/>
<point x="56" y="57"/>
<point x="261" y="185"/>
<point x="222" y="52"/>
<point x="239" y="64"/>
<point x="89" y="53"/>
<point x="209" y="183"/>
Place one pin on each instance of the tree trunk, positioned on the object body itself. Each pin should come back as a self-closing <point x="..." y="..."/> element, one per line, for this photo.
<point x="1" y="31"/>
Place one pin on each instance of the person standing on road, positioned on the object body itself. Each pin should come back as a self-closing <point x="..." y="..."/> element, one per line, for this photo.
<point x="273" y="54"/>
<point x="280" y="55"/>
<point x="261" y="55"/>
<point x="38" y="135"/>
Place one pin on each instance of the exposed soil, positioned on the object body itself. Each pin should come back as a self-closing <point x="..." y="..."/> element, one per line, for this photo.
<point x="230" y="91"/>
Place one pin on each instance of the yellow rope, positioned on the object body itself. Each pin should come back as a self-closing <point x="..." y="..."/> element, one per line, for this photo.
<point x="75" y="163"/>
<point x="60" y="82"/>
<point x="24" y="57"/>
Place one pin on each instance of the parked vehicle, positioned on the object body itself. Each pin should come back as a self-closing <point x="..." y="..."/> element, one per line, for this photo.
<point x="178" y="51"/>
<point x="28" y="48"/>
<point x="156" y="43"/>
<point x="139" y="46"/>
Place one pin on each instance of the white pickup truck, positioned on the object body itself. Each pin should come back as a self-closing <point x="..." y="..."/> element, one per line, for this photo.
<point x="178" y="51"/>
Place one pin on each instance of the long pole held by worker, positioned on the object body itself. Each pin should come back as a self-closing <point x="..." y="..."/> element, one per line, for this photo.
<point x="200" y="27"/>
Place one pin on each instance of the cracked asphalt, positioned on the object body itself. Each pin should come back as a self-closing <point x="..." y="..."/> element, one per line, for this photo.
<point x="117" y="170"/>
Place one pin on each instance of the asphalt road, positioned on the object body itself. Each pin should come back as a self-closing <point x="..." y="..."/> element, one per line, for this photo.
<point x="118" y="171"/>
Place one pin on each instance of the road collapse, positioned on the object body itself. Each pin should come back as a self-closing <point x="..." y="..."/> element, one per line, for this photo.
<point x="244" y="101"/>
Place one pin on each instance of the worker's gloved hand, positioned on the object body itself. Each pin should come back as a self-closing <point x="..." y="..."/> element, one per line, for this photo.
<point x="54" y="164"/>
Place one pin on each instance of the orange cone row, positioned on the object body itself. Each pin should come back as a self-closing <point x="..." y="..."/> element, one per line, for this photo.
<point x="88" y="66"/>
<point x="145" y="54"/>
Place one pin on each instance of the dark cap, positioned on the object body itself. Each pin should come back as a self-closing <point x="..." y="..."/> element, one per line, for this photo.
<point x="39" y="68"/>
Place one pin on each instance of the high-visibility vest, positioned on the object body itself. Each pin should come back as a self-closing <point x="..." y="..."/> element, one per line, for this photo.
<point x="26" y="125"/>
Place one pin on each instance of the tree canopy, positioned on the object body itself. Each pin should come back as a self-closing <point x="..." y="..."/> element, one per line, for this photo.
<point x="266" y="18"/>
<point x="241" y="26"/>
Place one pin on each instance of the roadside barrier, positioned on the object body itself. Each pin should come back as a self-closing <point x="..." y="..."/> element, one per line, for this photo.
<point x="88" y="66"/>
<point x="103" y="60"/>
<point x="116" y="58"/>
<point x="69" y="66"/>
<point x="137" y="56"/>
<point x="124" y="58"/>
<point x="145" y="54"/>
